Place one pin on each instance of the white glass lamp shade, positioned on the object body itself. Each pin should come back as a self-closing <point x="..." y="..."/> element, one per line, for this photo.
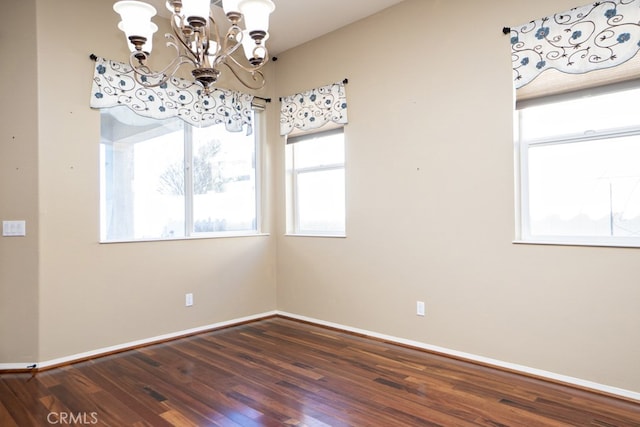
<point x="256" y="14"/>
<point x="249" y="46"/>
<point x="198" y="8"/>
<point x="230" y="6"/>
<point x="148" y="46"/>
<point x="136" y="17"/>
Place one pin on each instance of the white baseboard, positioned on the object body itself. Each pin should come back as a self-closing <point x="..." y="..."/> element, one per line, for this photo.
<point x="627" y="394"/>
<point x="16" y="366"/>
<point x="125" y="346"/>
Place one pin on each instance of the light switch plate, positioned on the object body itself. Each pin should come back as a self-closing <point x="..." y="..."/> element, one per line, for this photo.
<point x="14" y="228"/>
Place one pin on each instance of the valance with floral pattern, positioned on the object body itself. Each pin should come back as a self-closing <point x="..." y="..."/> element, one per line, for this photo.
<point x="601" y="35"/>
<point x="114" y="84"/>
<point x="314" y="108"/>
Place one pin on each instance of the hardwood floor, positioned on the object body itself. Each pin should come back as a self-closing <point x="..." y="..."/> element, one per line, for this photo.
<point x="280" y="372"/>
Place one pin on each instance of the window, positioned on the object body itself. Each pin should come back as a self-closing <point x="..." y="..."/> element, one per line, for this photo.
<point x="316" y="184"/>
<point x="165" y="179"/>
<point x="579" y="163"/>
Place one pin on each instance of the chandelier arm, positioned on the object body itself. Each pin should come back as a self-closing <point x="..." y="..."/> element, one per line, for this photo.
<point x="180" y="37"/>
<point x="251" y="69"/>
<point x="206" y="43"/>
<point x="181" y="58"/>
<point x="226" y="50"/>
<point x="138" y="76"/>
<point x="255" y="74"/>
<point x="201" y="41"/>
<point x="157" y="77"/>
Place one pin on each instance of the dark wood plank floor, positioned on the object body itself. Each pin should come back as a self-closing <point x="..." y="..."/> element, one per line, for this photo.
<point x="280" y="372"/>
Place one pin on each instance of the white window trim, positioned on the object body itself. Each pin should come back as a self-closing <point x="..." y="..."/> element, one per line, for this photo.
<point x="259" y="130"/>
<point x="521" y="161"/>
<point x="293" y="218"/>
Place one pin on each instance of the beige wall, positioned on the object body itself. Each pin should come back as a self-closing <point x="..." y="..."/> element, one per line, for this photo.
<point x="430" y="203"/>
<point x="18" y="186"/>
<point x="430" y="206"/>
<point x="62" y="293"/>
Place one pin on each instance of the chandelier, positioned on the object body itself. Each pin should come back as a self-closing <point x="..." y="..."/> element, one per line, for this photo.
<point x="197" y="40"/>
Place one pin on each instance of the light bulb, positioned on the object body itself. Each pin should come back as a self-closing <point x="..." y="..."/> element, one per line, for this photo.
<point x="148" y="34"/>
<point x="256" y="14"/>
<point x="136" y="17"/>
<point x="199" y="8"/>
<point x="230" y="6"/>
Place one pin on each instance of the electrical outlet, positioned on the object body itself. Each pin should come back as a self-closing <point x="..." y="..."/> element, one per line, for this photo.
<point x="188" y="300"/>
<point x="420" y="308"/>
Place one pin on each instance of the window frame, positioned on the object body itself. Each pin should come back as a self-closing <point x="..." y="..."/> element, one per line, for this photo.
<point x="521" y="163"/>
<point x="259" y="128"/>
<point x="292" y="189"/>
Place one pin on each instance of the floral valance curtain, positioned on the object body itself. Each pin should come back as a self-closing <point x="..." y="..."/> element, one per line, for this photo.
<point x="314" y="108"/>
<point x="114" y="84"/>
<point x="601" y="35"/>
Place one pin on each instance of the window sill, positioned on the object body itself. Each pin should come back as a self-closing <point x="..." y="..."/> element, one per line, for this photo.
<point x="201" y="237"/>
<point x="565" y="243"/>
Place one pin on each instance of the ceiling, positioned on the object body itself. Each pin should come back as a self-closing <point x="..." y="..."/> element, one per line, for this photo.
<point x="295" y="22"/>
